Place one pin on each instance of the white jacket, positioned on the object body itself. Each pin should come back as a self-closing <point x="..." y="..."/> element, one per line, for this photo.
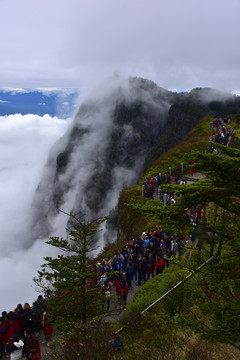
<point x="17" y="354"/>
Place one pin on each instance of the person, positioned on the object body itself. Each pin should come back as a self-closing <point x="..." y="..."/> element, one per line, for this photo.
<point x="15" y="348"/>
<point x="2" y="336"/>
<point x="134" y="259"/>
<point x="42" y="304"/>
<point x="116" y="343"/>
<point x="106" y="290"/>
<point x="159" y="179"/>
<point x="129" y="274"/>
<point x="165" y="254"/>
<point x="9" y="328"/>
<point x="150" y="266"/>
<point x="18" y="321"/>
<point x="174" y="247"/>
<point x="26" y="317"/>
<point x="36" y="317"/>
<point x="191" y="171"/>
<point x="117" y="262"/>
<point x="142" y="270"/>
<point x="125" y="259"/>
<point x="102" y="279"/>
<point x="47" y="326"/>
<point x="118" y="287"/>
<point x="159" y="263"/>
<point x="124" y="294"/>
<point x="31" y="349"/>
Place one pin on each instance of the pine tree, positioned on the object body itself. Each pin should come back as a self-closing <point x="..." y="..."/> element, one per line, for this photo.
<point x="70" y="278"/>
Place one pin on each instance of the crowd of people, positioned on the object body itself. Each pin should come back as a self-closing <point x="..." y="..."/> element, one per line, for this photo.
<point x="19" y="330"/>
<point x="152" y="184"/>
<point x="222" y="129"/>
<point x="138" y="261"/>
<point x="147" y="255"/>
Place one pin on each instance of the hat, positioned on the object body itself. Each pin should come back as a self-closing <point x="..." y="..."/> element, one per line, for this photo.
<point x="144" y="233"/>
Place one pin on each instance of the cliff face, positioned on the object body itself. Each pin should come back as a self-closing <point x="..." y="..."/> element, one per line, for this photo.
<point x="106" y="148"/>
<point x="103" y="150"/>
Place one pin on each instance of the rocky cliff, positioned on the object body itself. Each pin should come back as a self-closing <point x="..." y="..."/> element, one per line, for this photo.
<point x="118" y="130"/>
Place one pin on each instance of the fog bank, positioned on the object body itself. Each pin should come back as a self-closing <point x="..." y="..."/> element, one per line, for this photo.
<point x="25" y="142"/>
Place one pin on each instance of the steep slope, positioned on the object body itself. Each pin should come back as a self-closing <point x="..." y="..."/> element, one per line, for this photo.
<point x="111" y="141"/>
<point x="103" y="151"/>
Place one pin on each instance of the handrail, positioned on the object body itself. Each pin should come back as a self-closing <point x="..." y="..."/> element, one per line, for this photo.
<point x="172" y="289"/>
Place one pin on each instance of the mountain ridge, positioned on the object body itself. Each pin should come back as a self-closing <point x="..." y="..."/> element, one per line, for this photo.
<point x="111" y="141"/>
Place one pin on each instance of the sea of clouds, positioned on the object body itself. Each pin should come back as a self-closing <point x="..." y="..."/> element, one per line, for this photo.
<point x="25" y="142"/>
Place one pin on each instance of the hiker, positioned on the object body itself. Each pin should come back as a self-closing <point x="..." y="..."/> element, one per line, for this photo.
<point x="129" y="274"/>
<point x="31" y="349"/>
<point x="18" y="320"/>
<point x="124" y="294"/>
<point x="106" y="291"/>
<point x="142" y="270"/>
<point x="9" y="328"/>
<point x="159" y="264"/>
<point x="150" y="266"/>
<point x="47" y="327"/>
<point x="15" y="347"/>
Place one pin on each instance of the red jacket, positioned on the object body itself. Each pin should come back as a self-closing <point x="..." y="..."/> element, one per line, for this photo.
<point x="117" y="284"/>
<point x="159" y="263"/>
<point x="35" y="351"/>
<point x="9" y="331"/>
<point x="151" y="266"/>
<point x="124" y="289"/>
<point x="47" y="324"/>
<point x="3" y="326"/>
<point x="18" y="321"/>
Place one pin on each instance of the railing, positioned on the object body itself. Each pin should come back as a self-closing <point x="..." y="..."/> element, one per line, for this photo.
<point x="171" y="290"/>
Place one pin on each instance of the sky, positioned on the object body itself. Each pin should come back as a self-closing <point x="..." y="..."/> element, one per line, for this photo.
<point x="77" y="43"/>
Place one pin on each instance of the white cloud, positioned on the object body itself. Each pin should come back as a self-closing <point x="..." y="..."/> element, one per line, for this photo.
<point x="25" y="142"/>
<point x="236" y="92"/>
<point x="15" y="91"/>
<point x="74" y="43"/>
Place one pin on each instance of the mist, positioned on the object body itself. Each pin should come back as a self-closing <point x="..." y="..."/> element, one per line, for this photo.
<point x="25" y="142"/>
<point x="102" y="151"/>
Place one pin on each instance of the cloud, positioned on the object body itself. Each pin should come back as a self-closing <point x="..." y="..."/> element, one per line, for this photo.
<point x="101" y="152"/>
<point x="178" y="44"/>
<point x="25" y="142"/>
<point x="45" y="91"/>
<point x="3" y="101"/>
<point x="15" y="91"/>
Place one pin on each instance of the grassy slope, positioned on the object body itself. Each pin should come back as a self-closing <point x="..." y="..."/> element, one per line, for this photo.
<point x="162" y="323"/>
<point x="130" y="220"/>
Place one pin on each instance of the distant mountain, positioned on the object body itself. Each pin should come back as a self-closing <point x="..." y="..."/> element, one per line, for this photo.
<point x="55" y="102"/>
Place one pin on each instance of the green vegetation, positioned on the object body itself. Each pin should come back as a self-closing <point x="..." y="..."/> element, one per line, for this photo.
<point x="131" y="220"/>
<point x="70" y="279"/>
<point x="209" y="304"/>
<point x="201" y="319"/>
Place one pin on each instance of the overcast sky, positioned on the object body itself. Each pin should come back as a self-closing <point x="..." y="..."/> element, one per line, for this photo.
<point x="180" y="44"/>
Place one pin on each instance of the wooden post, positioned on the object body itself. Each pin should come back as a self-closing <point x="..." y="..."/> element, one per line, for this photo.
<point x="181" y="167"/>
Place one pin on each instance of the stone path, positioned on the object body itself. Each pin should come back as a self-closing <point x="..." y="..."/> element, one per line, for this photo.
<point x="191" y="179"/>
